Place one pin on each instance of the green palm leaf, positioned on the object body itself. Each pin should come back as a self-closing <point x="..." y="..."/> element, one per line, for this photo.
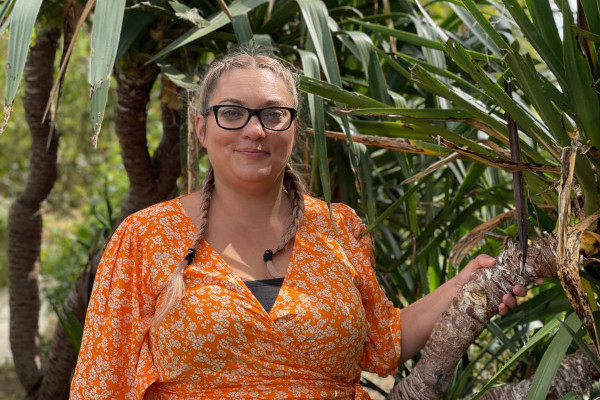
<point x="238" y="7"/>
<point x="108" y="18"/>
<point x="22" y="20"/>
<point x="310" y="66"/>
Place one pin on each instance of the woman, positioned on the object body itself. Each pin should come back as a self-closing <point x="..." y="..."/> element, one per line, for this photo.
<point x="247" y="289"/>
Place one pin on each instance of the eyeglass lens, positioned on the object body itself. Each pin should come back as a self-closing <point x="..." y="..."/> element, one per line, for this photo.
<point x="274" y="118"/>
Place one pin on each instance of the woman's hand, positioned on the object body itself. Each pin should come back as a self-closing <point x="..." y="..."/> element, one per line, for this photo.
<point x="419" y="317"/>
<point x="485" y="261"/>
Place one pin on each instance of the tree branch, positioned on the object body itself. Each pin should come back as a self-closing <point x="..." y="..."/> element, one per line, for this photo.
<point x="469" y="314"/>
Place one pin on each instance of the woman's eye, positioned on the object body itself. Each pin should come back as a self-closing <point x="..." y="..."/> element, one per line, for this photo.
<point x="231" y="113"/>
<point x="273" y="115"/>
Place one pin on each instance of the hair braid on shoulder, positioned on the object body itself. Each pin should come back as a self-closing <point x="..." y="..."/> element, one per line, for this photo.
<point x="293" y="185"/>
<point x="175" y="286"/>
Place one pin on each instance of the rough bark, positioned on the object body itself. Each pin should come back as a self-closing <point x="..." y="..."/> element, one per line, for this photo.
<point x="152" y="179"/>
<point x="26" y="213"/>
<point x="575" y="374"/>
<point x="469" y="314"/>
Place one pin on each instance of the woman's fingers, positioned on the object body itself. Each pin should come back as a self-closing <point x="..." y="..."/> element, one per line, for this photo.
<point x="502" y="309"/>
<point x="519" y="290"/>
<point x="509" y="300"/>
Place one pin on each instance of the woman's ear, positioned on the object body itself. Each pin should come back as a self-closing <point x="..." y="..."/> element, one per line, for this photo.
<point x="200" y="128"/>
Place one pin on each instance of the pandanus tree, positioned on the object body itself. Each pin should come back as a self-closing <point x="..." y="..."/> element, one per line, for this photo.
<point x="554" y="102"/>
<point x="394" y="87"/>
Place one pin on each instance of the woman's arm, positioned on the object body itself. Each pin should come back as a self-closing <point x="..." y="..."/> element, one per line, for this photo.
<point x="419" y="317"/>
<point x="115" y="360"/>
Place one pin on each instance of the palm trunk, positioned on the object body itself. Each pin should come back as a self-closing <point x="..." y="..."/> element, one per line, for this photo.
<point x="151" y="179"/>
<point x="469" y="314"/>
<point x="26" y="214"/>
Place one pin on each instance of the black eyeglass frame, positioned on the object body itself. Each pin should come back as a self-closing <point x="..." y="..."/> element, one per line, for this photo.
<point x="251" y="112"/>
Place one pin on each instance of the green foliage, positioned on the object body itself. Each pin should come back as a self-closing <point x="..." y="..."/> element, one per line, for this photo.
<point x="86" y="176"/>
<point x="21" y="20"/>
<point x="104" y="43"/>
<point x="71" y="325"/>
<point x="430" y="74"/>
<point x="69" y="242"/>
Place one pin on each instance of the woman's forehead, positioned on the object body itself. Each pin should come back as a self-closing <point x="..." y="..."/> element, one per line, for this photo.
<point x="247" y="81"/>
<point x="251" y="74"/>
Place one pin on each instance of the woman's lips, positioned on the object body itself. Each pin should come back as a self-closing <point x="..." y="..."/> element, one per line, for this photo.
<point x="252" y="152"/>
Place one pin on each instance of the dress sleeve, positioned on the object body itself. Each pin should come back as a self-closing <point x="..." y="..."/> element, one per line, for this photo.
<point x="382" y="348"/>
<point x="115" y="360"/>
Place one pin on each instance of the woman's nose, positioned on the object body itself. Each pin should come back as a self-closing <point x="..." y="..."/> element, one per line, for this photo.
<point x="254" y="129"/>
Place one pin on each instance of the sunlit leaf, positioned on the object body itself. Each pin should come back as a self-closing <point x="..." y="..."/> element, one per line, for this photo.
<point x="241" y="27"/>
<point x="551" y="360"/>
<point x="4" y="10"/>
<point x="580" y="84"/>
<point x="539" y="335"/>
<point x="106" y="31"/>
<point x="22" y="20"/>
<point x="310" y="66"/>
<point x="238" y="7"/>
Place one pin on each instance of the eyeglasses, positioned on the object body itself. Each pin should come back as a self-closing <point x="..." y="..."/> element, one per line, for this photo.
<point x="236" y="117"/>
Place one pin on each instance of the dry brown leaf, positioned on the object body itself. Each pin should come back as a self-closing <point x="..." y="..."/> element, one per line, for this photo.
<point x="170" y="95"/>
<point x="497" y="162"/>
<point x="496" y="148"/>
<point x="484" y="128"/>
<point x="590" y="244"/>
<point x="7" y="112"/>
<point x="567" y="252"/>
<point x="225" y="8"/>
<point x="467" y="242"/>
<point x="399" y="144"/>
<point x="82" y="14"/>
<point x="433" y="167"/>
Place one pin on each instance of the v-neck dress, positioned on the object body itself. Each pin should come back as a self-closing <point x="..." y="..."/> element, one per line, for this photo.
<point x="329" y="321"/>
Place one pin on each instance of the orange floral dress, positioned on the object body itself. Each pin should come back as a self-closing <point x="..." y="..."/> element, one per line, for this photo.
<point x="330" y="320"/>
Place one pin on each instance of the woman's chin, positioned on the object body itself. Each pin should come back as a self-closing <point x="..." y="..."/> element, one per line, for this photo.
<point x="255" y="180"/>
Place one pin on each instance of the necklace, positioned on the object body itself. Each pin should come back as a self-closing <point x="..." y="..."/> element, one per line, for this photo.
<point x="268" y="257"/>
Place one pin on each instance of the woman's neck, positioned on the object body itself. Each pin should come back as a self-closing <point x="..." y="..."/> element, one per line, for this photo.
<point x="269" y="206"/>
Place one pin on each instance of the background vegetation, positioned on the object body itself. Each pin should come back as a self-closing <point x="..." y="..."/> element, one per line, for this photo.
<point x="427" y="75"/>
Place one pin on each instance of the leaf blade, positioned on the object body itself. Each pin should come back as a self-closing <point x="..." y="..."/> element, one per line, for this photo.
<point x="106" y="31"/>
<point x="22" y="21"/>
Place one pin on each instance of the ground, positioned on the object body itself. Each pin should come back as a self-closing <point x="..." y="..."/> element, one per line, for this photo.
<point x="10" y="389"/>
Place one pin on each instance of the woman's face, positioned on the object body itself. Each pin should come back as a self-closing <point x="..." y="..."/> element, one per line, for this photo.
<point x="250" y="158"/>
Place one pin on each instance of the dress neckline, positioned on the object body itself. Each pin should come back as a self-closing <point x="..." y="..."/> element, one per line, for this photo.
<point x="231" y="272"/>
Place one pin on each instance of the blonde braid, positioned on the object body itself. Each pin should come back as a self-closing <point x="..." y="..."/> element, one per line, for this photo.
<point x="175" y="285"/>
<point x="295" y="189"/>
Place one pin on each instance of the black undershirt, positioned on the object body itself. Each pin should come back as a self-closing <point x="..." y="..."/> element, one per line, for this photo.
<point x="265" y="291"/>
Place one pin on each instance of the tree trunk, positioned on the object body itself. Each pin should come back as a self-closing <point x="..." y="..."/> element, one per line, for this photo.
<point x="469" y="314"/>
<point x="26" y="213"/>
<point x="575" y="374"/>
<point x="152" y="179"/>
